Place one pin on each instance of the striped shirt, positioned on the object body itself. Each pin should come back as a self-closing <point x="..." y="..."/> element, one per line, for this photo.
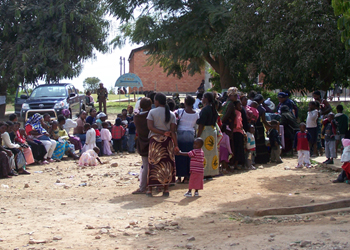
<point x="118" y="132"/>
<point x="197" y="160"/>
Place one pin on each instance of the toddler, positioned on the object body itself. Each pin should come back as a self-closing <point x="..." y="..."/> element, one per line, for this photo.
<point x="345" y="158"/>
<point x="275" y="143"/>
<point x="250" y="148"/>
<point x="90" y="157"/>
<point x="98" y="138"/>
<point x="118" y="131"/>
<point x="106" y="137"/>
<point x="301" y="144"/>
<point x="225" y="148"/>
<point x="196" y="167"/>
<point x="90" y="142"/>
<point x="329" y="132"/>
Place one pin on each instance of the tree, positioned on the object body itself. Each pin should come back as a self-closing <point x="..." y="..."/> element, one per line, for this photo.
<point x="179" y="35"/>
<point x="48" y="39"/>
<point x="342" y="9"/>
<point x="91" y="84"/>
<point x="301" y="47"/>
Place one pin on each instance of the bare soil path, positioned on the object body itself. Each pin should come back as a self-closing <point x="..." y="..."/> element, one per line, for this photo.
<point x="69" y="207"/>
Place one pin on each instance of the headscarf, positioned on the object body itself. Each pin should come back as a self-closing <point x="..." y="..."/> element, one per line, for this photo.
<point x="34" y="121"/>
<point x="65" y="112"/>
<point x="101" y="115"/>
<point x="232" y="91"/>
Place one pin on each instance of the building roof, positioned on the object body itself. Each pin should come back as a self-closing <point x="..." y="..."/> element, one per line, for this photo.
<point x="134" y="51"/>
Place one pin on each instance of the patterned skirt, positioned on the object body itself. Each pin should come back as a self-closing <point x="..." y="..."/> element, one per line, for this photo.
<point x="161" y="159"/>
<point x="60" y="150"/>
<point x="211" y="156"/>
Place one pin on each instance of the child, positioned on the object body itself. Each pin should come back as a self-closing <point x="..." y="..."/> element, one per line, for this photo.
<point x="238" y="136"/>
<point x="196" y="167"/>
<point x="225" y="149"/>
<point x="345" y="158"/>
<point x="106" y="137"/>
<point x="90" y="141"/>
<point x="254" y="111"/>
<point x="275" y="143"/>
<point x="101" y="117"/>
<point x="89" y="157"/>
<point x="27" y="151"/>
<point x="329" y="132"/>
<point x="98" y="139"/>
<point x="342" y="122"/>
<point x="301" y="144"/>
<point x="250" y="148"/>
<point x="118" y="131"/>
<point x="311" y="126"/>
<point x="131" y="137"/>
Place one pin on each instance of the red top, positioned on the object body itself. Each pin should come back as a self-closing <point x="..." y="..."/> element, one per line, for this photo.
<point x="19" y="138"/>
<point x="301" y="141"/>
<point x="197" y="160"/>
<point x="97" y="132"/>
<point x="118" y="132"/>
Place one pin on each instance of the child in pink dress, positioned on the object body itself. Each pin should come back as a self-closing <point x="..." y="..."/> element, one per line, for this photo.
<point x="196" y="167"/>
<point x="90" y="157"/>
<point x="225" y="149"/>
<point x="106" y="138"/>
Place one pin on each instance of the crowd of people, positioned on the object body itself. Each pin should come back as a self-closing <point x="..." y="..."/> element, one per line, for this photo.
<point x="178" y="142"/>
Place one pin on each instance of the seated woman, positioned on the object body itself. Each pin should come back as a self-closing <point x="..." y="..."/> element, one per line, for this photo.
<point x="79" y="129"/>
<point x="14" y="148"/>
<point x="5" y="169"/>
<point x="27" y="151"/>
<point x="59" y="134"/>
<point x="68" y="126"/>
<point x="38" y="149"/>
<point x="34" y="129"/>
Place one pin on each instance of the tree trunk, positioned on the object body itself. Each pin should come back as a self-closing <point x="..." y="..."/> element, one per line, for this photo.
<point x="3" y="92"/>
<point x="226" y="79"/>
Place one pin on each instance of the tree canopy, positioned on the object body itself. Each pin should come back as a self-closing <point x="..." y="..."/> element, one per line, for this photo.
<point x="49" y="39"/>
<point x="91" y="84"/>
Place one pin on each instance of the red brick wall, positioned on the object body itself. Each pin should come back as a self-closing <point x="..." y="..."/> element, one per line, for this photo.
<point x="153" y="77"/>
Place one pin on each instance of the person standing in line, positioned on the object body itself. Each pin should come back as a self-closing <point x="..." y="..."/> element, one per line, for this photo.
<point x="329" y="132"/>
<point x="311" y="126"/>
<point x="342" y="122"/>
<point x="102" y="96"/>
<point x="142" y="142"/>
<point x="301" y="145"/>
<point x="275" y="143"/>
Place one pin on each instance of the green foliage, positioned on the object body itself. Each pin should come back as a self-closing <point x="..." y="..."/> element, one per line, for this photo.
<point x="48" y="39"/>
<point x="301" y="48"/>
<point x="342" y="9"/>
<point x="91" y="84"/>
<point x="215" y="81"/>
<point x="178" y="35"/>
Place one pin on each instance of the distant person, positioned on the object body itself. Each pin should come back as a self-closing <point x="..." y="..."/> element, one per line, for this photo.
<point x="89" y="99"/>
<point x="198" y="101"/>
<point x="325" y="107"/>
<point x="301" y="144"/>
<point x="102" y="95"/>
<point x="275" y="143"/>
<point x="201" y="89"/>
<point x="311" y="125"/>
<point x="13" y="118"/>
<point x="329" y="132"/>
<point x="342" y="123"/>
<point x="344" y="176"/>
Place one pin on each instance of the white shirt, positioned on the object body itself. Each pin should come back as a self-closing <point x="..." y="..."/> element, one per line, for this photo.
<point x="69" y="124"/>
<point x="196" y="103"/>
<point x="6" y="141"/>
<point x="186" y="121"/>
<point x="311" y="120"/>
<point x="157" y="115"/>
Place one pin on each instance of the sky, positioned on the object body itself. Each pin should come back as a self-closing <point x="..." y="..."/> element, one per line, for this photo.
<point x="106" y="66"/>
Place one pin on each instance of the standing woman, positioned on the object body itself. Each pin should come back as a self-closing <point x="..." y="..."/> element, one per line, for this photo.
<point x="262" y="155"/>
<point x="162" y="145"/>
<point x="186" y="121"/>
<point x="207" y="131"/>
<point x="79" y="129"/>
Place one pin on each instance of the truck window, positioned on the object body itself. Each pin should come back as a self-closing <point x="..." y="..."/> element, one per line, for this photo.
<point x="49" y="91"/>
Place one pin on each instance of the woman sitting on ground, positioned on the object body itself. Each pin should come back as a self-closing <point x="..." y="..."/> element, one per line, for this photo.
<point x="34" y="129"/>
<point x="59" y="134"/>
<point x="15" y="149"/>
<point x="70" y="124"/>
<point x="27" y="151"/>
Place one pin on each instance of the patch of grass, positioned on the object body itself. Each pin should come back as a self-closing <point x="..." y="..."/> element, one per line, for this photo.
<point x="10" y="107"/>
<point x="116" y="97"/>
<point x="116" y="107"/>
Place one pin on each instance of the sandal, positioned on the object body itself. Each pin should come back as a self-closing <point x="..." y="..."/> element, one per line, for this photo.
<point x="138" y="191"/>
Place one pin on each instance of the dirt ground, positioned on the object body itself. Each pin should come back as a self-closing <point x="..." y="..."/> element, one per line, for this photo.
<point x="54" y="206"/>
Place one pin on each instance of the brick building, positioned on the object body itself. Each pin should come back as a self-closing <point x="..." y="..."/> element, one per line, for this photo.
<point x="154" y="78"/>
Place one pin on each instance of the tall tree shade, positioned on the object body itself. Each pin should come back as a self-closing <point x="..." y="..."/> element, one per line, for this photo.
<point x="179" y="35"/>
<point x="48" y="39"/>
<point x="301" y="45"/>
